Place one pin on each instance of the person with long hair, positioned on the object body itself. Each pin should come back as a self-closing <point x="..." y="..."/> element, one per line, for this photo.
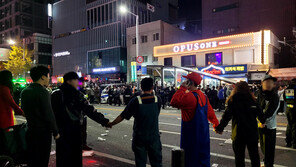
<point x="242" y="108"/>
<point x="7" y="103"/>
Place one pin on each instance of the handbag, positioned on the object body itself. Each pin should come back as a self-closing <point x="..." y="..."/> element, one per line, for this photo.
<point x="13" y="139"/>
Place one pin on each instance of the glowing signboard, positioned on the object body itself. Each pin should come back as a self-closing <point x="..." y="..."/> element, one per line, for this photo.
<point x="134" y="71"/>
<point x="102" y="70"/>
<point x="220" y="70"/>
<point x="226" y="42"/>
<point x="214" y="70"/>
<point x="65" y="53"/>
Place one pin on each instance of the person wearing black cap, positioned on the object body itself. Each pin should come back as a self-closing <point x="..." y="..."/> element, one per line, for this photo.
<point x="69" y="106"/>
<point x="268" y="100"/>
<point x="289" y="97"/>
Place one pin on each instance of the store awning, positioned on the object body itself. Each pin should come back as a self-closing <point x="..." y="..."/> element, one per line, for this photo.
<point x="283" y="73"/>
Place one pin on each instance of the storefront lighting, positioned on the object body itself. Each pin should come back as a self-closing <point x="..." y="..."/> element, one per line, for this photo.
<point x="109" y="69"/>
<point x="215" y="67"/>
<point x="65" y="53"/>
<point x="49" y="8"/>
<point x="226" y="42"/>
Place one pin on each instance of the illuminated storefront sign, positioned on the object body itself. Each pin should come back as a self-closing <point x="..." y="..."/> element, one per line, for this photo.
<point x="104" y="70"/>
<point x="220" y="70"/>
<point x="226" y="42"/>
<point x="65" y="53"/>
<point x="134" y="71"/>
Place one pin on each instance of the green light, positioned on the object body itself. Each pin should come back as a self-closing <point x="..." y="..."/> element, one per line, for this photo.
<point x="1" y="55"/>
<point x="13" y="80"/>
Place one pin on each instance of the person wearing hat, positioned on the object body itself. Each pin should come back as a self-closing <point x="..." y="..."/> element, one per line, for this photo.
<point x="196" y="112"/>
<point x="269" y="101"/>
<point x="289" y="97"/>
<point x="69" y="106"/>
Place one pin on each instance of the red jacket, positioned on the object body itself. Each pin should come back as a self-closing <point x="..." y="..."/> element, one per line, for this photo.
<point x="187" y="102"/>
<point x="6" y="105"/>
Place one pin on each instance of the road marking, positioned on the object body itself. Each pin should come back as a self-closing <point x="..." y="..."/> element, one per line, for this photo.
<point x="177" y="133"/>
<point x="221" y="139"/>
<point x="217" y="155"/>
<point x="116" y="158"/>
<point x="111" y="109"/>
<point x="179" y="125"/>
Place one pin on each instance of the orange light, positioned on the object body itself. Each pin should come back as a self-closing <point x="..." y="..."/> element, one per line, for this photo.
<point x="185" y="48"/>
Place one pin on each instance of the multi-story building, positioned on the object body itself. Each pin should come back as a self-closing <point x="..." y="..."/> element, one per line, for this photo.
<point x="89" y="36"/>
<point x="41" y="45"/>
<point x="190" y="12"/>
<point x="22" y="18"/>
<point x="246" y="56"/>
<point x="220" y="18"/>
<point x="152" y="34"/>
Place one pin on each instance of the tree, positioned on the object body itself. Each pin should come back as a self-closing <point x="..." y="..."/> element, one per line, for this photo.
<point x="17" y="63"/>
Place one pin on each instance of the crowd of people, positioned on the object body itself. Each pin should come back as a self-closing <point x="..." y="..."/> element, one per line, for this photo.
<point x="60" y="112"/>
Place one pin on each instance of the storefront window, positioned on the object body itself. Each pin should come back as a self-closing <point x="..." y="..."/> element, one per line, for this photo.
<point x="188" y="61"/>
<point x="214" y="58"/>
<point x="169" y="76"/>
<point x="168" y="61"/>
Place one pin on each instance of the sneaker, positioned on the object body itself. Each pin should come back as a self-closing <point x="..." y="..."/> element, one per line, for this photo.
<point x="86" y="148"/>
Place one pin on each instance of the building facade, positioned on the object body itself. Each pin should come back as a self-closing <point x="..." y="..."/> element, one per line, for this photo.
<point x="22" y="18"/>
<point x="89" y="36"/>
<point x="41" y="46"/>
<point x="152" y="34"/>
<point x="220" y="18"/>
<point x="246" y="56"/>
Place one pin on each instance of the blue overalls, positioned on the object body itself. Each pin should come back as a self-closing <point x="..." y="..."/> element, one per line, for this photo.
<point x="195" y="138"/>
<point x="146" y="138"/>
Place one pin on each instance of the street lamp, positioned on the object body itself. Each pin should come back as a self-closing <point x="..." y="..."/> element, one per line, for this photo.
<point x="123" y="10"/>
<point x="11" y="42"/>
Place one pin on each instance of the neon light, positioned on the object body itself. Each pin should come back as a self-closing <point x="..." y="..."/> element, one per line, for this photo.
<point x="224" y="43"/>
<point x="215" y="67"/>
<point x="49" y="8"/>
<point x="109" y="69"/>
<point x="194" y="46"/>
<point x="65" y="53"/>
<point x="186" y="48"/>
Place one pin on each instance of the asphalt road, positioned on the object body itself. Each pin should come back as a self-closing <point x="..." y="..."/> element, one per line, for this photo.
<point x="112" y="147"/>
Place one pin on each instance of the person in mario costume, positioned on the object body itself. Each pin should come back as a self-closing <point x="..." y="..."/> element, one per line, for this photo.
<point x="196" y="112"/>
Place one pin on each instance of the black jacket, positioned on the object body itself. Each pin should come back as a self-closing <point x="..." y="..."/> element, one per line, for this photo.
<point x="69" y="106"/>
<point x="35" y="100"/>
<point x="243" y="111"/>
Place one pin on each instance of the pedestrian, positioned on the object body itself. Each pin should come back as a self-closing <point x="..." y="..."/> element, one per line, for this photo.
<point x="81" y="88"/>
<point x="221" y="98"/>
<point x="69" y="106"/>
<point x="289" y="96"/>
<point x="281" y="91"/>
<point x="110" y="95"/>
<point x="213" y="97"/>
<point x="243" y="110"/>
<point x="127" y="94"/>
<point x="145" y="109"/>
<point x="35" y="101"/>
<point x="268" y="100"/>
<point x="6" y="100"/>
<point x="196" y="111"/>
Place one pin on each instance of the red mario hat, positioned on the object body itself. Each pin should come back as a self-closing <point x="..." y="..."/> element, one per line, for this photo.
<point x="195" y="77"/>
